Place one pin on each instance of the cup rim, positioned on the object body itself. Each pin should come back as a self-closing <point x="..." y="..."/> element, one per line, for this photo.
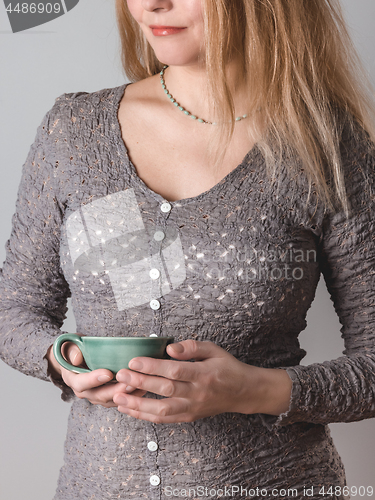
<point x="127" y="338"/>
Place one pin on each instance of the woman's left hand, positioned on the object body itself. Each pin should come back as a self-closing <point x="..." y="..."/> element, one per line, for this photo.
<point x="215" y="383"/>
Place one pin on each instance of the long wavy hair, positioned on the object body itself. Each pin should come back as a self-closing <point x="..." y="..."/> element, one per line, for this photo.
<point x="302" y="70"/>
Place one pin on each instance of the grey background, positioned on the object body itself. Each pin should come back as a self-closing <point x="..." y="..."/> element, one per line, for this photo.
<point x="80" y="52"/>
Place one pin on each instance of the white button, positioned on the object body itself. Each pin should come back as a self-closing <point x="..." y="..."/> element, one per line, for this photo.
<point x="154" y="274"/>
<point x="155" y="480"/>
<point x="165" y="207"/>
<point x="152" y="446"/>
<point x="153" y="335"/>
<point x="154" y="304"/>
<point x="159" y="235"/>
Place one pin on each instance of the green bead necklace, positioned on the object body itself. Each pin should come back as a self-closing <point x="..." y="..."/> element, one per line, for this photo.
<point x="185" y="111"/>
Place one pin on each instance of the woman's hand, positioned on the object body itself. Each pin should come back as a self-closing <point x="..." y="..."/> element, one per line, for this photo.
<point x="215" y="383"/>
<point x="92" y="386"/>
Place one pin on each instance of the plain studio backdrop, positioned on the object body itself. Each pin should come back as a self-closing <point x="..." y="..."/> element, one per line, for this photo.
<point x="79" y="51"/>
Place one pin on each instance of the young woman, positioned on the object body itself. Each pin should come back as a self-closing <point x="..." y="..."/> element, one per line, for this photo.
<point x="239" y="164"/>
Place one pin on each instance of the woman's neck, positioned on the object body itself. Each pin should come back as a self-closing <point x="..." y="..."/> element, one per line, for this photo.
<point x="189" y="85"/>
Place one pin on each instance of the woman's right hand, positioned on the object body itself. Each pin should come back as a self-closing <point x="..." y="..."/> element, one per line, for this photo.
<point x="92" y="386"/>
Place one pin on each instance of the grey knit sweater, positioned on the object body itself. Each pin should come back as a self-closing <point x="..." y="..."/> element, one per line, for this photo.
<point x="238" y="265"/>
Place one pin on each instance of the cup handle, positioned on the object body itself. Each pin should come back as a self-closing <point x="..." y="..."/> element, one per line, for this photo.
<point x="68" y="337"/>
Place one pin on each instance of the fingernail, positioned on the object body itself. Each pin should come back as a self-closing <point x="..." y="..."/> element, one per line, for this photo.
<point x="135" y="365"/>
<point x="129" y="388"/>
<point x="121" y="400"/>
<point x="124" y="377"/>
<point x="177" y="348"/>
<point x="104" y="378"/>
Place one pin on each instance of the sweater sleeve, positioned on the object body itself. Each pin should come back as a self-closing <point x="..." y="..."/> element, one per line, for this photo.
<point x="343" y="389"/>
<point x="33" y="290"/>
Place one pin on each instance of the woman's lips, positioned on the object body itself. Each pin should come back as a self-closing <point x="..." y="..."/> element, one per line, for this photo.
<point x="165" y="30"/>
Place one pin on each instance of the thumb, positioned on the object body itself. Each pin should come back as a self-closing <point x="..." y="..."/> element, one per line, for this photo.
<point x="72" y="354"/>
<point x="195" y="349"/>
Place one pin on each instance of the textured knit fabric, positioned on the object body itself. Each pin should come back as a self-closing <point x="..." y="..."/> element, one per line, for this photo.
<point x="239" y="265"/>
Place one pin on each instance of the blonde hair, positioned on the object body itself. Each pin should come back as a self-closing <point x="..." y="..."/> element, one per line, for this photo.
<point x="301" y="68"/>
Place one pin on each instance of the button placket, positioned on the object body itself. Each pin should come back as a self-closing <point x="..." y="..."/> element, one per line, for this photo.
<point x="151" y="452"/>
<point x="156" y="271"/>
<point x="156" y="274"/>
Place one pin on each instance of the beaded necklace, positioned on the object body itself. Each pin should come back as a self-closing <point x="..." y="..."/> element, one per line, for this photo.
<point x="185" y="111"/>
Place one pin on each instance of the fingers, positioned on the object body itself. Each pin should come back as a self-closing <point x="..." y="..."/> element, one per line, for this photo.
<point x="168" y="369"/>
<point x="101" y="395"/>
<point x="80" y="382"/>
<point x="95" y="388"/>
<point x="190" y="390"/>
<point x="83" y="381"/>
<point x="158" y="385"/>
<point x="98" y="386"/>
<point x="157" y="407"/>
<point x="157" y="411"/>
<point x="195" y="349"/>
<point x="104" y="395"/>
<point x="183" y="417"/>
<point x="171" y="369"/>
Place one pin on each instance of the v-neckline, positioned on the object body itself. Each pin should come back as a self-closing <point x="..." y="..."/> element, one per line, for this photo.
<point x="124" y="155"/>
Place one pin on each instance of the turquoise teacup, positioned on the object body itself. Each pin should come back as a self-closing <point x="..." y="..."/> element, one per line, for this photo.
<point x="111" y="353"/>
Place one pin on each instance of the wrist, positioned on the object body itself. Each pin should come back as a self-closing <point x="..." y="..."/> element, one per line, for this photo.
<point x="265" y="390"/>
<point x="275" y="391"/>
